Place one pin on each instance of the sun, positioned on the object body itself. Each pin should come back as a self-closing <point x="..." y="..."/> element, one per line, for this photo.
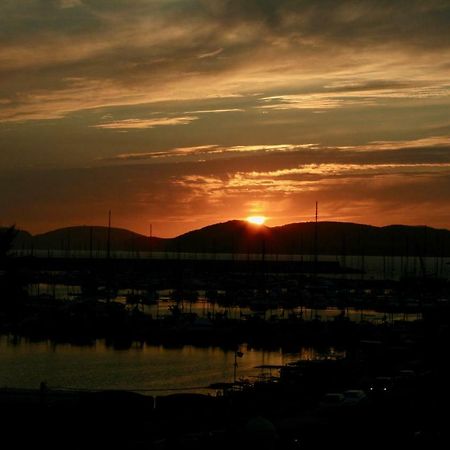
<point x="257" y="220"/>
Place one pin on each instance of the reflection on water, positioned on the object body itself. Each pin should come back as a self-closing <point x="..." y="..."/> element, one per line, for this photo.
<point x="203" y="308"/>
<point x="142" y="367"/>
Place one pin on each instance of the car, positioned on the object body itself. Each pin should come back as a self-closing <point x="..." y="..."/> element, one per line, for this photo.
<point x="381" y="386"/>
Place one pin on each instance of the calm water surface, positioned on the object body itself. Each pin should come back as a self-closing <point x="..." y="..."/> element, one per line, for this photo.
<point x="375" y="267"/>
<point x="158" y="369"/>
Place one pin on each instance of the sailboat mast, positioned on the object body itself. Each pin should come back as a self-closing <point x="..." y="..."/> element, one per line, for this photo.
<point x="90" y="241"/>
<point x="150" y="236"/>
<point x="108" y="241"/>
<point x="316" y="237"/>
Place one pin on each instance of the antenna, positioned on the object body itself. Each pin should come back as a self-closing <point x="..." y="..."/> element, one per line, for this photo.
<point x="150" y="235"/>
<point x="316" y="238"/>
<point x="108" y="242"/>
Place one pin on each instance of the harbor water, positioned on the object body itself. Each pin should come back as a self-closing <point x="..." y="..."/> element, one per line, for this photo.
<point x="151" y="369"/>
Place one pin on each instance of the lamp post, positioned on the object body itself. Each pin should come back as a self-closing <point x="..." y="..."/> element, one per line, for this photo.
<point x="237" y="354"/>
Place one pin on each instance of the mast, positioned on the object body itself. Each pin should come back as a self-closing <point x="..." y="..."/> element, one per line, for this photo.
<point x="316" y="237"/>
<point x="90" y="241"/>
<point x="108" y="256"/>
<point x="150" y="235"/>
<point x="108" y="240"/>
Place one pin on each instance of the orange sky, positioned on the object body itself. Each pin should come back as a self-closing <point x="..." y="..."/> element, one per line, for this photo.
<point x="183" y="113"/>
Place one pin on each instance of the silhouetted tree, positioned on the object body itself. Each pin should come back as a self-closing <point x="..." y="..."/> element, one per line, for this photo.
<point x="12" y="292"/>
<point x="7" y="236"/>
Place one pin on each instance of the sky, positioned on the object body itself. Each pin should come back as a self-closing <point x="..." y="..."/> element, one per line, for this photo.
<point x="184" y="113"/>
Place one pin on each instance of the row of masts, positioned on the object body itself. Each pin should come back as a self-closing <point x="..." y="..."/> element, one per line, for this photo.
<point x="315" y="256"/>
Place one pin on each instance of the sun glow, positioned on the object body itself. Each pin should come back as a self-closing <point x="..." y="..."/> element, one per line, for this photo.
<point x="257" y="220"/>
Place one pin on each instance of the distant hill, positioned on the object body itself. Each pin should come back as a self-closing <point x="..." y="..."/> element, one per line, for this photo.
<point x="85" y="237"/>
<point x="355" y="239"/>
<point x="333" y="238"/>
<point x="238" y="236"/>
<point x="228" y="237"/>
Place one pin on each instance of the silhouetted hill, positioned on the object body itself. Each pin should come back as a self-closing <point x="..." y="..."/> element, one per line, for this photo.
<point x="356" y="239"/>
<point x="228" y="237"/>
<point x="82" y="237"/>
<point x="333" y="238"/>
<point x="236" y="236"/>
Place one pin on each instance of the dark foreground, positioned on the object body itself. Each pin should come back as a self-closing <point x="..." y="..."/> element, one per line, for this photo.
<point x="403" y="404"/>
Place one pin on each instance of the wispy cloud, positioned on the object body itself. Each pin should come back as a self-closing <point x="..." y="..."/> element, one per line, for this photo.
<point x="353" y="96"/>
<point x="432" y="141"/>
<point x="227" y="48"/>
<point x="315" y="150"/>
<point x="332" y="169"/>
<point x="184" y="151"/>
<point x="213" y="149"/>
<point x="288" y="102"/>
<point x="138" y="124"/>
<point x="210" y="54"/>
<point x="214" y="111"/>
<point x="311" y="177"/>
<point x="391" y="188"/>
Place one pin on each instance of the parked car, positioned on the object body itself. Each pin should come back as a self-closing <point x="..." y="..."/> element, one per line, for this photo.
<point x="381" y="386"/>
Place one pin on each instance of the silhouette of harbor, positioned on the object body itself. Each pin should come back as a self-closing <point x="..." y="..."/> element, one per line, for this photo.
<point x="391" y="384"/>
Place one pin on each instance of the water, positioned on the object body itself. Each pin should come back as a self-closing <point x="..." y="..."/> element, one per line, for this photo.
<point x="375" y="267"/>
<point x="203" y="308"/>
<point x="395" y="267"/>
<point x="157" y="370"/>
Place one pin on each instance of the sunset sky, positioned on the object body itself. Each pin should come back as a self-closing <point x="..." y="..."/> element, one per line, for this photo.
<point x="183" y="113"/>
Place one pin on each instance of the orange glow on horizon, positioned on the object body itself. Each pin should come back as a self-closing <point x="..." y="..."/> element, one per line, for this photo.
<point x="256" y="220"/>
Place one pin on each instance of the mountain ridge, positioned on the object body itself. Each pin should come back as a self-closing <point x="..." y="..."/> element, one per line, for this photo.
<point x="238" y="236"/>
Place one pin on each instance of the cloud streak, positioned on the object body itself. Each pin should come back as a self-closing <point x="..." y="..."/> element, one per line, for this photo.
<point x="224" y="106"/>
<point x="354" y="97"/>
<point x="211" y="150"/>
<point x="139" y="124"/>
<point x="226" y="48"/>
<point x="315" y="149"/>
<point x="312" y="177"/>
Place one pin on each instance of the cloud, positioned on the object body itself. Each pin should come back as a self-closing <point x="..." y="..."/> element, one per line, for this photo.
<point x="70" y="95"/>
<point x="138" y="124"/>
<point x="354" y="97"/>
<point x="432" y="141"/>
<point x="314" y="150"/>
<point x="311" y="177"/>
<point x="286" y="50"/>
<point x="248" y="77"/>
<point x="368" y="186"/>
<point x="213" y="150"/>
<point x="186" y="151"/>
<point x="215" y="111"/>
<point x="210" y="54"/>
<point x="364" y="170"/>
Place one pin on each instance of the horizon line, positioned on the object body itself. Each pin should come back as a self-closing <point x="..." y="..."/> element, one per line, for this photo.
<point x="221" y="223"/>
